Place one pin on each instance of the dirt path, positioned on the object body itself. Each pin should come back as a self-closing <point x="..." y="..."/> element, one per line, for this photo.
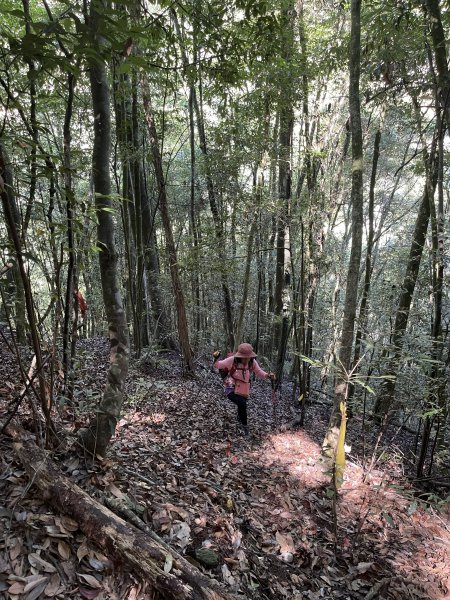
<point x="261" y="505"/>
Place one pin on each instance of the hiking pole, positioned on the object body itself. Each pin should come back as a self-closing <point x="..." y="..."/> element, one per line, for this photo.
<point x="274" y="402"/>
<point x="203" y="383"/>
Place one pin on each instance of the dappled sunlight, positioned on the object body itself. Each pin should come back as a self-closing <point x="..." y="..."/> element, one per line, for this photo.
<point x="408" y="548"/>
<point x="297" y="453"/>
<point x="134" y="417"/>
<point x="414" y="544"/>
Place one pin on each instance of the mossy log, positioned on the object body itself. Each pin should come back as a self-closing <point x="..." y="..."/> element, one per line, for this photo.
<point x="140" y="552"/>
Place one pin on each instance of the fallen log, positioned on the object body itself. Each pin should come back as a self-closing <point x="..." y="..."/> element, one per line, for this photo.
<point x="141" y="552"/>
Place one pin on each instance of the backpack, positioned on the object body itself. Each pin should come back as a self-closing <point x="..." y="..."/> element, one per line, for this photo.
<point x="224" y="373"/>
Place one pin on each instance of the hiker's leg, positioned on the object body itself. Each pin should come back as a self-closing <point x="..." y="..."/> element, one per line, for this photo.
<point x="241" y="404"/>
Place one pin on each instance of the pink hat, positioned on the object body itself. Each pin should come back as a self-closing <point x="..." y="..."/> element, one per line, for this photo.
<point x="245" y="351"/>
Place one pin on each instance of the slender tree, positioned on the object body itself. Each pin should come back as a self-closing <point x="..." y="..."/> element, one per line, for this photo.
<point x="99" y="432"/>
<point x="10" y="212"/>
<point x="183" y="331"/>
<point x="364" y="305"/>
<point x="283" y="275"/>
<point x="385" y="405"/>
<point x="440" y="54"/>
<point x="351" y="292"/>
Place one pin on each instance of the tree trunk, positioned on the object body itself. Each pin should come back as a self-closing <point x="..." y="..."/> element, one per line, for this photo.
<point x="17" y="287"/>
<point x="283" y="275"/>
<point x="10" y="211"/>
<point x="437" y="372"/>
<point x="183" y="331"/>
<point x="72" y="263"/>
<point x="440" y="56"/>
<point x="351" y="293"/>
<point x="136" y="175"/>
<point x="160" y="316"/>
<point x="97" y="436"/>
<point x="145" y="553"/>
<point x="33" y="125"/>
<point x="283" y="262"/>
<point x="251" y="236"/>
<point x="218" y="226"/>
<point x="193" y="217"/>
<point x="364" y="306"/>
<point x="384" y="400"/>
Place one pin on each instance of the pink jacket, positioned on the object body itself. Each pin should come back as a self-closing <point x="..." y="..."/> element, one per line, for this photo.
<point x="240" y="381"/>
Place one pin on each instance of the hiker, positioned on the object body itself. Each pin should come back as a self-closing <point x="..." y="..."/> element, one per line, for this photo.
<point x="236" y="370"/>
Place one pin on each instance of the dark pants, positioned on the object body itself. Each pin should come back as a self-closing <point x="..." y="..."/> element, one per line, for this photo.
<point x="241" y="403"/>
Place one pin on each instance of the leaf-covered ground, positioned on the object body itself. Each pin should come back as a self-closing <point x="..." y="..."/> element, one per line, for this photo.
<point x="261" y="505"/>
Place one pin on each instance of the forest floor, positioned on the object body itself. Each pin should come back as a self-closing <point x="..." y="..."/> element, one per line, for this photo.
<point x="261" y="504"/>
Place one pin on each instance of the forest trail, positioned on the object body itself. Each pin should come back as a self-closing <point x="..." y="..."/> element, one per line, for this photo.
<point x="259" y="503"/>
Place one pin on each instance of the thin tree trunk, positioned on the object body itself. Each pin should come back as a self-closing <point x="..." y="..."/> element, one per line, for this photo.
<point x="11" y="215"/>
<point x="384" y="402"/>
<point x="212" y="196"/>
<point x="251" y="236"/>
<point x="351" y="293"/>
<point x="101" y="428"/>
<point x="440" y="56"/>
<point x="183" y="331"/>
<point x="136" y="174"/>
<point x="192" y="216"/>
<point x="218" y="227"/>
<point x="364" y="306"/>
<point x="283" y="275"/>
<point x="33" y="126"/>
<point x="127" y="213"/>
<point x="72" y="262"/>
<point x="283" y="261"/>
<point x="434" y="402"/>
<point x="160" y="316"/>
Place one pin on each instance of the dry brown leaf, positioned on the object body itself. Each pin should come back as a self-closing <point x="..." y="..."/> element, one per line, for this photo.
<point x="37" y="591"/>
<point x="69" y="570"/>
<point x="4" y="568"/>
<point x="33" y="581"/>
<point x="90" y="580"/>
<point x="114" y="490"/>
<point x="243" y="562"/>
<point x="53" y="585"/>
<point x="285" y="542"/>
<point x="67" y="523"/>
<point x="160" y="518"/>
<point x="88" y="593"/>
<point x="64" y="550"/>
<point x="180" y="511"/>
<point x="82" y="551"/>
<point x="363" y="567"/>
<point x="15" y="550"/>
<point x="16" y="588"/>
<point x="182" y="534"/>
<point x="53" y="530"/>
<point x="40" y="564"/>
<point x="236" y="539"/>
<point x="133" y="593"/>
